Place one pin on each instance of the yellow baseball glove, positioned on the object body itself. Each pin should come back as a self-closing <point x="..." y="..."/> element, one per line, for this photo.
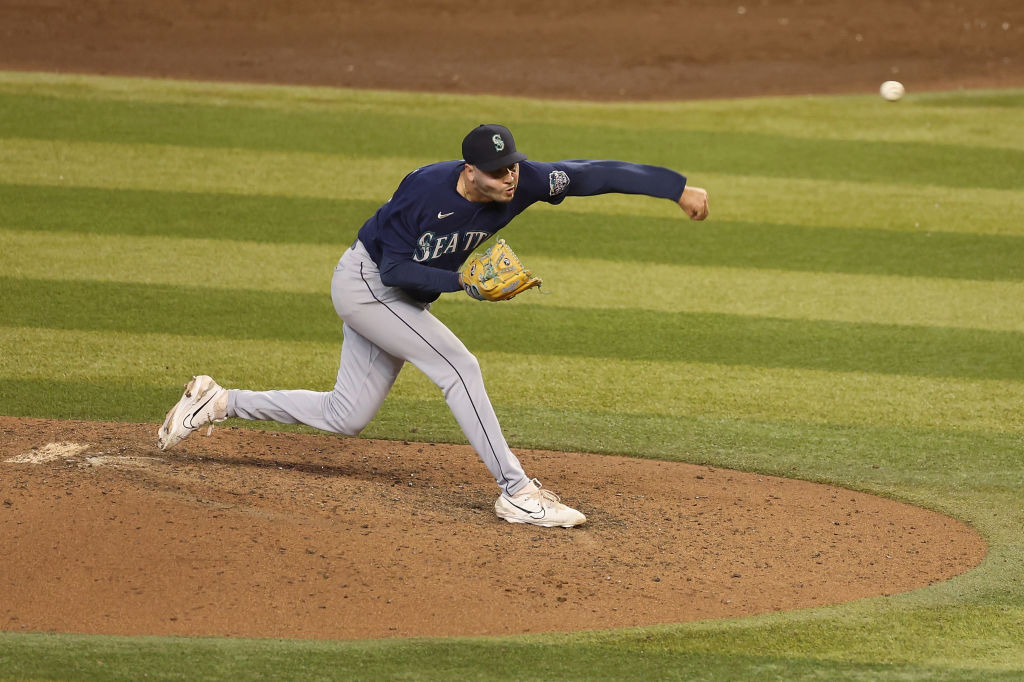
<point x="496" y="274"/>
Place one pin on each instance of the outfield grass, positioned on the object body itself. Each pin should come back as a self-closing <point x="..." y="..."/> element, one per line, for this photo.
<point x="853" y="313"/>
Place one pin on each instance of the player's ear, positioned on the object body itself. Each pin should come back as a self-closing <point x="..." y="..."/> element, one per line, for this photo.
<point x="471" y="173"/>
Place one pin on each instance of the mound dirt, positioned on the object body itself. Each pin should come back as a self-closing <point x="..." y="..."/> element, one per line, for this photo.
<point x="262" y="534"/>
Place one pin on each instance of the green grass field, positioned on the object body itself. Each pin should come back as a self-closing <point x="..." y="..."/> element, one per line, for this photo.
<point x="852" y="313"/>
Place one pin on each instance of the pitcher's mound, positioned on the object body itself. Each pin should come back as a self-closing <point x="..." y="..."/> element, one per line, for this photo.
<point x="256" y="534"/>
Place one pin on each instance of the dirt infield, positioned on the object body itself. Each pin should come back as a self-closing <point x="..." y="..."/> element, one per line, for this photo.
<point x="257" y="534"/>
<point x="599" y="49"/>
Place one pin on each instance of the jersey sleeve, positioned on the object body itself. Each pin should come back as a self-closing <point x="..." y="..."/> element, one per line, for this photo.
<point x="399" y="269"/>
<point x="421" y="281"/>
<point x="581" y="177"/>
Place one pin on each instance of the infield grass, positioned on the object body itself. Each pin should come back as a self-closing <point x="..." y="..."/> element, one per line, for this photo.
<point x="853" y="313"/>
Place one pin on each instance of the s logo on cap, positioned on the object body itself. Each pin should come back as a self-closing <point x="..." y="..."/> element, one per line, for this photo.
<point x="491" y="147"/>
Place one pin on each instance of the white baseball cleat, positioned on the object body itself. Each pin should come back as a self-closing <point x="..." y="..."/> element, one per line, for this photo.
<point x="535" y="505"/>
<point x="204" y="402"/>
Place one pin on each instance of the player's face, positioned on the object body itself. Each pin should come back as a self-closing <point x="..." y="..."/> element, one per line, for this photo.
<point x="499" y="185"/>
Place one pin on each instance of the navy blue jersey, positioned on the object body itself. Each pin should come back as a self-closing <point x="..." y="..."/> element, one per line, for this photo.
<point x="424" y="233"/>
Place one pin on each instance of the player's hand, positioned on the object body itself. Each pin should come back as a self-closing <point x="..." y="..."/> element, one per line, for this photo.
<point x="695" y="202"/>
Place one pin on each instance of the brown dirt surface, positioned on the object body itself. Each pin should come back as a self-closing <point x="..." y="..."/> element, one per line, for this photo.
<point x="259" y="534"/>
<point x="262" y="534"/>
<point x="597" y="49"/>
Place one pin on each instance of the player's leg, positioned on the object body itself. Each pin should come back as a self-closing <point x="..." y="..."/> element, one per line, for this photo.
<point x="429" y="345"/>
<point x="366" y="374"/>
<point x="406" y="328"/>
<point x="426" y="342"/>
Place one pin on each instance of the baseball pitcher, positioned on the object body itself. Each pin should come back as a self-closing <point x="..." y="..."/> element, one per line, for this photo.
<point x="418" y="245"/>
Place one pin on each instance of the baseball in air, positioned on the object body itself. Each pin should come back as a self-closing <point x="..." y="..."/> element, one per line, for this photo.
<point x="892" y="91"/>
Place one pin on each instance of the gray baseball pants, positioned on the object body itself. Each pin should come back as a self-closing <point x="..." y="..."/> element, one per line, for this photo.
<point x="384" y="328"/>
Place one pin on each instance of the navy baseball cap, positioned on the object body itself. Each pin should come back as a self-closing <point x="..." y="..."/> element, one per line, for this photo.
<point x="490" y="147"/>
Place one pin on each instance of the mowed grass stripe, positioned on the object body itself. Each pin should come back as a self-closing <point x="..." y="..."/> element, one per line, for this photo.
<point x="606" y="333"/>
<point x="665" y="653"/>
<point x="923" y="302"/>
<point x="569" y="282"/>
<point x="776" y="156"/>
<point x="175" y="261"/>
<point x="357" y="133"/>
<point x="681" y="388"/>
<point x="736" y="198"/>
<point x="167" y="359"/>
<point x="176" y="168"/>
<point x="621" y="387"/>
<point x="606" y="237"/>
<point x="922" y="117"/>
<point x="188" y="215"/>
<point x="353" y="132"/>
<point x="909" y="454"/>
<point x="772" y="246"/>
<point x="817" y="203"/>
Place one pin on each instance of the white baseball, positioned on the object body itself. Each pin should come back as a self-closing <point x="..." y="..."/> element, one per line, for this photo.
<point x="892" y="90"/>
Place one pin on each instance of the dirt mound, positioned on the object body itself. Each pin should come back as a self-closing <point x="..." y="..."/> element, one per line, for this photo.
<point x="256" y="534"/>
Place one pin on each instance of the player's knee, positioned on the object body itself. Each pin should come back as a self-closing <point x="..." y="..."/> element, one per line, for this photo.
<point x="343" y="418"/>
<point x="460" y="374"/>
<point x="465" y="366"/>
<point x="352" y="431"/>
<point x="469" y="364"/>
<point x="350" y="424"/>
<point x="348" y="428"/>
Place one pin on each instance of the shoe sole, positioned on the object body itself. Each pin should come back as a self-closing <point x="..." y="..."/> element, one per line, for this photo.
<point x="544" y="525"/>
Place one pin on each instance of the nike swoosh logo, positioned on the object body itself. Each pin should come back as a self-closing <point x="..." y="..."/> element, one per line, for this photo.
<point x="442" y="216"/>
<point x="538" y="514"/>
<point x="189" y="420"/>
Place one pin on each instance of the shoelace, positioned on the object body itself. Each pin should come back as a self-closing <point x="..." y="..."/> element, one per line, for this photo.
<point x="545" y="494"/>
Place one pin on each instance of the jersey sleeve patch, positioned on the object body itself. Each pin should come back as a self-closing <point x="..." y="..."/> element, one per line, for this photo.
<point x="558" y="180"/>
